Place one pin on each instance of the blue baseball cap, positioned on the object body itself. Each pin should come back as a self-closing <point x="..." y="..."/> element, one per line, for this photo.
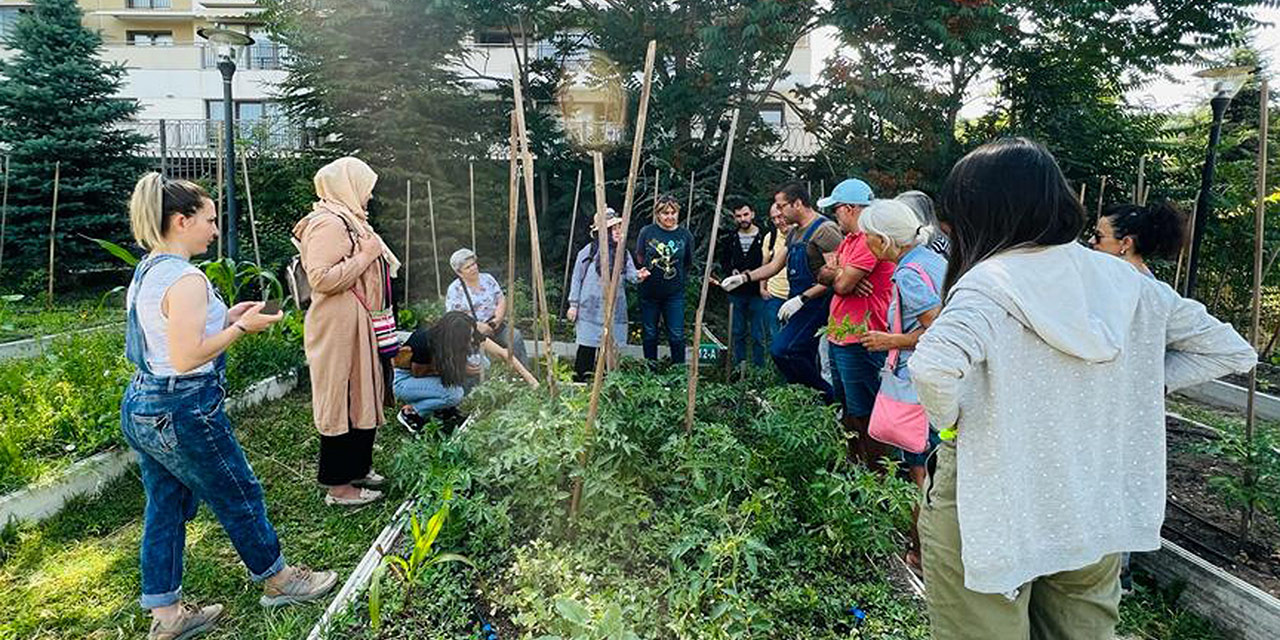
<point x="851" y="191"/>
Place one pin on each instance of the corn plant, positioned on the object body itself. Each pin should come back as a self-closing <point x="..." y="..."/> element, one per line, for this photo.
<point x="421" y="558"/>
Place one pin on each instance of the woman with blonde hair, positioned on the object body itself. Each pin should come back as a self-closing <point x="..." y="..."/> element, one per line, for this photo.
<point x="173" y="417"/>
<point x="349" y="269"/>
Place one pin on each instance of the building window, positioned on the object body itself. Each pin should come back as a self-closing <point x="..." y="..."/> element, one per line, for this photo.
<point x="772" y="114"/>
<point x="149" y="38"/>
<point x="246" y="110"/>
<point x="9" y="20"/>
<point x="149" y="4"/>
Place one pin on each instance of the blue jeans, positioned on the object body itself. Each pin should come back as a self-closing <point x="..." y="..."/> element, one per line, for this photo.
<point x="671" y="310"/>
<point x="855" y="376"/>
<point x="748" y="319"/>
<point x="425" y="394"/>
<point x="188" y="453"/>
<point x="795" y="348"/>
<point x="772" y="326"/>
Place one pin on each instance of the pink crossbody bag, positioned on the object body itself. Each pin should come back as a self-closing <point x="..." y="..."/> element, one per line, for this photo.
<point x="897" y="417"/>
<point x="383" y="320"/>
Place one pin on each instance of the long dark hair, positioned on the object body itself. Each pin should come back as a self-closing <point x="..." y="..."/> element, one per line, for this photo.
<point x="452" y="339"/>
<point x="1158" y="229"/>
<point x="1006" y="194"/>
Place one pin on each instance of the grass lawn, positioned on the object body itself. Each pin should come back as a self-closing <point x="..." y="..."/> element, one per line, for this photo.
<point x="76" y="575"/>
<point x="29" y="318"/>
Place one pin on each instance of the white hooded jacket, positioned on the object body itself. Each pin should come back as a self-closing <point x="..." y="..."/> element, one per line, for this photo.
<point x="1053" y="364"/>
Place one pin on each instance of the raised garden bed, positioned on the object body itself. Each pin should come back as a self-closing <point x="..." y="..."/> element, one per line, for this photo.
<point x="753" y="526"/>
<point x="65" y="406"/>
<point x="1198" y="520"/>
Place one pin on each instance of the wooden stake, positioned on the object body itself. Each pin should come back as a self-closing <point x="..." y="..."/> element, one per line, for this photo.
<point x="435" y="248"/>
<point x="221" y="202"/>
<point x="1181" y="286"/>
<point x="706" y="276"/>
<point x="602" y="238"/>
<point x="1083" y="187"/>
<point x="1142" y="180"/>
<point x="4" y="210"/>
<point x="513" y="199"/>
<point x="1250" y="417"/>
<point x="539" y="284"/>
<point x="53" y="224"/>
<point x="471" y="189"/>
<point x="1102" y="189"/>
<point x="637" y="145"/>
<point x="688" y="212"/>
<point x="568" y="254"/>
<point x="408" y="215"/>
<point x="822" y="190"/>
<point x="253" y="226"/>
<point x="728" y="361"/>
<point x="657" y="180"/>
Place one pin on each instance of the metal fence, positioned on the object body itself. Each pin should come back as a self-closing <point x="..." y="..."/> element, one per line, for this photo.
<point x="260" y="55"/>
<point x="193" y="149"/>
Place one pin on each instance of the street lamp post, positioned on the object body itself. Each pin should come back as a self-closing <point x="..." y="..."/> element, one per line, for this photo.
<point x="1223" y="84"/>
<point x="226" y="40"/>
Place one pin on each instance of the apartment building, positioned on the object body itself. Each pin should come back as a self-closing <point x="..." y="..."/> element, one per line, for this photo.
<point x="172" y="71"/>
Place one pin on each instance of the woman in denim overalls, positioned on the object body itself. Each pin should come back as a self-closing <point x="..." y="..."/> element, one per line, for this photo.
<point x="172" y="413"/>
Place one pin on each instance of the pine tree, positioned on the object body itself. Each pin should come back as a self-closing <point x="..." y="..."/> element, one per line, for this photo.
<point x="58" y="104"/>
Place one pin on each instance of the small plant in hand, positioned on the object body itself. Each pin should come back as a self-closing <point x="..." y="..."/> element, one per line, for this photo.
<point x="845" y="329"/>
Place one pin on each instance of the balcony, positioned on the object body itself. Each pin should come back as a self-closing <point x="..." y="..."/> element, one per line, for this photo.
<point x="267" y="56"/>
<point x="202" y="138"/>
<point x="264" y="56"/>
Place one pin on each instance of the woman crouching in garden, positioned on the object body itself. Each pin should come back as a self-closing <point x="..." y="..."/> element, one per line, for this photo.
<point x="1046" y="373"/>
<point x="173" y="414"/>
<point x="433" y="365"/>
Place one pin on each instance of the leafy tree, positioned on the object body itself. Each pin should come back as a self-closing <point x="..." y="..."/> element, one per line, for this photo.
<point x="57" y="104"/>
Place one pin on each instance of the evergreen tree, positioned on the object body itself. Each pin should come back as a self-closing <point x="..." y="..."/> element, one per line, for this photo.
<point x="57" y="104"/>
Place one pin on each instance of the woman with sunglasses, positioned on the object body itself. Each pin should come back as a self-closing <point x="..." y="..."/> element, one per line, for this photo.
<point x="1135" y="233"/>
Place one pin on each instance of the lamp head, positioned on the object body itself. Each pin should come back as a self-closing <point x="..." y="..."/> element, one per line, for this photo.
<point x="1224" y="82"/>
<point x="224" y="37"/>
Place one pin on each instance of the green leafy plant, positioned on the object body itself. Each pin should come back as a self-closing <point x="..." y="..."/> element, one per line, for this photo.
<point x="1257" y="485"/>
<point x="422" y="557"/>
<point x="233" y="279"/>
<point x="846" y="328"/>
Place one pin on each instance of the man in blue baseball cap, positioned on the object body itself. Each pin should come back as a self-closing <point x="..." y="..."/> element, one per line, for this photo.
<point x="810" y="244"/>
<point x="862" y="285"/>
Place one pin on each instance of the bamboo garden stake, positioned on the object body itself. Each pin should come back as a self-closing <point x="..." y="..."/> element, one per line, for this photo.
<point x="657" y="181"/>
<point x="435" y="248"/>
<point x="513" y="195"/>
<point x="706" y="276"/>
<point x="637" y="146"/>
<point x="4" y="209"/>
<point x="253" y="226"/>
<point x="539" y="284"/>
<point x="471" y="189"/>
<point x="53" y="223"/>
<point x="1102" y="189"/>
<point x="568" y="254"/>
<point x="408" y="215"/>
<point x="1246" y="512"/>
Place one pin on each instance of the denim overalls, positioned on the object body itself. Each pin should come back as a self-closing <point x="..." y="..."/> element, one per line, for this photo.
<point x="187" y="453"/>
<point x="795" y="348"/>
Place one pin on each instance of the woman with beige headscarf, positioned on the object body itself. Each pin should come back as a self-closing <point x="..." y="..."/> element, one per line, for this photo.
<point x="348" y="266"/>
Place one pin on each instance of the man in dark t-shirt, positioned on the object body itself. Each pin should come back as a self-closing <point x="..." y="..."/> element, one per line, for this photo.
<point x="666" y="250"/>
<point x="740" y="250"/>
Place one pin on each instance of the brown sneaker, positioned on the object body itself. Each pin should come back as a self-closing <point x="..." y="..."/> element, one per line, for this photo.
<point x="300" y="585"/>
<point x="192" y="622"/>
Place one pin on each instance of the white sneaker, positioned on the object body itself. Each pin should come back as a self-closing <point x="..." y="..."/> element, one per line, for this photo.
<point x="365" y="497"/>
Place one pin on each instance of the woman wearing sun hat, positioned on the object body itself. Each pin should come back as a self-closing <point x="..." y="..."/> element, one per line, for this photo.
<point x="586" y="296"/>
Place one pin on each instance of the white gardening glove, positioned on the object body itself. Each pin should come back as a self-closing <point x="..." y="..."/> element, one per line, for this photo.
<point x="733" y="281"/>
<point x="790" y="307"/>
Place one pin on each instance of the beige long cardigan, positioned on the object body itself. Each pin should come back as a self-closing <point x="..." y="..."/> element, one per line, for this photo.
<point x="347" y="384"/>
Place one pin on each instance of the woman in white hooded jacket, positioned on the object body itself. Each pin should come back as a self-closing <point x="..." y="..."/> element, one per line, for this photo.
<point x="1047" y="370"/>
